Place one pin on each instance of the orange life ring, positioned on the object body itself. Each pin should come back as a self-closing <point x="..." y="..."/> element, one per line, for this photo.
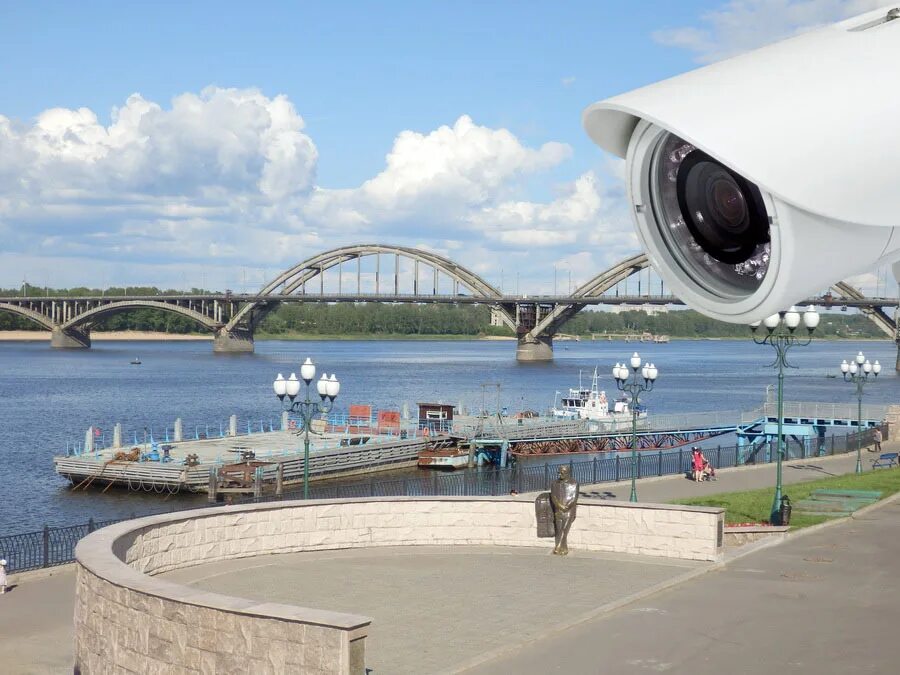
<point x="292" y="424"/>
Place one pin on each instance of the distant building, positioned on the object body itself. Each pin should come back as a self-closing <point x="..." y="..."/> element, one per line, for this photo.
<point x="648" y="309"/>
<point x="495" y="317"/>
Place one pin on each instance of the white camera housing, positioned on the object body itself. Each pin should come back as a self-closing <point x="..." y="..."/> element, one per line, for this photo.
<point x="759" y="181"/>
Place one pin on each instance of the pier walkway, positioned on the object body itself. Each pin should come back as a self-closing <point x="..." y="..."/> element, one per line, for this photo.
<point x="752" y="602"/>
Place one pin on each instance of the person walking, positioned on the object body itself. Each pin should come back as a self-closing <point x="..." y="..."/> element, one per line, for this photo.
<point x="876" y="437"/>
<point x="697" y="464"/>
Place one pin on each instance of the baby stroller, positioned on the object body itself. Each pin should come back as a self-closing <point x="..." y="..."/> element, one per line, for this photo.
<point x="709" y="471"/>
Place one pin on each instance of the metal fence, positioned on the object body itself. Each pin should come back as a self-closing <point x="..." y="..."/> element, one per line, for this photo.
<point x="56" y="545"/>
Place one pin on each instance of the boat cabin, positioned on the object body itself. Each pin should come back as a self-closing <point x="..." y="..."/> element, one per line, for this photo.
<point x="436" y="416"/>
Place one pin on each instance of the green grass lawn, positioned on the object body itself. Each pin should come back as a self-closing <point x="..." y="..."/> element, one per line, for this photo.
<point x="754" y="506"/>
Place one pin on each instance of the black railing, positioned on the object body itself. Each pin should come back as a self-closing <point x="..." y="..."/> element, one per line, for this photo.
<point x="56" y="545"/>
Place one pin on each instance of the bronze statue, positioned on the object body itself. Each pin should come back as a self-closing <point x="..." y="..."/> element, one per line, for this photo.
<point x="564" y="499"/>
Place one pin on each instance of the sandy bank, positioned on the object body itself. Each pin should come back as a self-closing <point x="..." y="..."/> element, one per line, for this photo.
<point x="97" y="335"/>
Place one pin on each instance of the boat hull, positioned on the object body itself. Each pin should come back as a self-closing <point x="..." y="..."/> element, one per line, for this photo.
<point x="447" y="460"/>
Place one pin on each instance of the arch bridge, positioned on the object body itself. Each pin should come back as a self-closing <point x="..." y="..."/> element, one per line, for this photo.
<point x="384" y="274"/>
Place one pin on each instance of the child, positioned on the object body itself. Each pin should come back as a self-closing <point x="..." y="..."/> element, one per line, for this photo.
<point x="2" y="577"/>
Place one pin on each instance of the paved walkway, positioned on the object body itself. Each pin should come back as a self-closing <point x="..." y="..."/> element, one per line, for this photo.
<point x="433" y="608"/>
<point x="824" y="603"/>
<point x="36" y="624"/>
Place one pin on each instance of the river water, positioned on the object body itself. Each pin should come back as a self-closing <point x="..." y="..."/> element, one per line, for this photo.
<point x="50" y="397"/>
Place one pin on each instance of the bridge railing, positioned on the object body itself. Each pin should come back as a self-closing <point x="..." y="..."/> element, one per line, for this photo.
<point x="55" y="545"/>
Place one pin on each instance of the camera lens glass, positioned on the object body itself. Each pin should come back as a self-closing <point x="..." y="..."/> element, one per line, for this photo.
<point x="719" y="211"/>
<point x="712" y="219"/>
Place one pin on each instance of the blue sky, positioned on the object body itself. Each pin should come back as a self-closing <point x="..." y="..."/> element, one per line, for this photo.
<point x="264" y="133"/>
<point x="357" y="72"/>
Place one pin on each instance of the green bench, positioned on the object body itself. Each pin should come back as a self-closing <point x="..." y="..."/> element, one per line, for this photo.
<point x="885" y="461"/>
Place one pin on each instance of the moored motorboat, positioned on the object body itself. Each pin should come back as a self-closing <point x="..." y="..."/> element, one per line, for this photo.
<point x="444" y="458"/>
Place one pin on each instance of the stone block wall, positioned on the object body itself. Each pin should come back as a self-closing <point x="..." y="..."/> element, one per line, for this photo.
<point x="127" y="620"/>
<point x="118" y="629"/>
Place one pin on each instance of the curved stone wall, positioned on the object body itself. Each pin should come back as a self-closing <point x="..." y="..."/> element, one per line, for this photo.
<point x="127" y="619"/>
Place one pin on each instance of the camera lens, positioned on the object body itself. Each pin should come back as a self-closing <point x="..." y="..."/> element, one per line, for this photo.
<point x="721" y="209"/>
<point x="711" y="219"/>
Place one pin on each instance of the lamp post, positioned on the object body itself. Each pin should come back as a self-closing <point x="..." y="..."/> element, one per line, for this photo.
<point x="780" y="334"/>
<point x="858" y="371"/>
<point x="327" y="387"/>
<point x="630" y="382"/>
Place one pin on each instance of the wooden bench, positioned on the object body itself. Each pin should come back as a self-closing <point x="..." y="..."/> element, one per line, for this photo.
<point x="885" y="461"/>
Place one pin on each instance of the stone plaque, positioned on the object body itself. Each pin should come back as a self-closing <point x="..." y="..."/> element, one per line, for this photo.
<point x="543" y="512"/>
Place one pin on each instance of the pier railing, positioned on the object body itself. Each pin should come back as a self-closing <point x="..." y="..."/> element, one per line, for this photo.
<point x="102" y="437"/>
<point x="56" y="545"/>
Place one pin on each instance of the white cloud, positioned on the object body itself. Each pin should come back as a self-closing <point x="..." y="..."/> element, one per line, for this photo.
<point x="441" y="175"/>
<point x="568" y="80"/>
<point x="741" y="25"/>
<point x="227" y="177"/>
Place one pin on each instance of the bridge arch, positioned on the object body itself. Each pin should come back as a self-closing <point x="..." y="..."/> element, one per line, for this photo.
<point x="633" y="265"/>
<point x="27" y="313"/>
<point x="875" y="314"/>
<point x="92" y="315"/>
<point x="295" y="278"/>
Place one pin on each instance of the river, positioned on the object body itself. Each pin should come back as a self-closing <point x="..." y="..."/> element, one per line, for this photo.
<point x="50" y="397"/>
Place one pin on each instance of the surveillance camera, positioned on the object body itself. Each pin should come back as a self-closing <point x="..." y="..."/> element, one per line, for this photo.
<point x="759" y="181"/>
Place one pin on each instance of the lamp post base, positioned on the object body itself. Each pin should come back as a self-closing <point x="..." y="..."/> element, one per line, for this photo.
<point x="775" y="515"/>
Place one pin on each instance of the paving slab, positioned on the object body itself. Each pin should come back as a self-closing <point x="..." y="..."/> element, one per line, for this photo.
<point x="433" y="608"/>
<point x="826" y="602"/>
<point x="36" y="635"/>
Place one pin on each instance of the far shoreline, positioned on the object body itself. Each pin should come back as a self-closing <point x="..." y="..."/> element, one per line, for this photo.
<point x="153" y="336"/>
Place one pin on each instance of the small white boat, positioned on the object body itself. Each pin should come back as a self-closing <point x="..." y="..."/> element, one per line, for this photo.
<point x="592" y="404"/>
<point x="135" y="361"/>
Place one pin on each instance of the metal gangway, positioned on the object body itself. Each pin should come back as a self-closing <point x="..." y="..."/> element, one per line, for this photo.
<point x="753" y="428"/>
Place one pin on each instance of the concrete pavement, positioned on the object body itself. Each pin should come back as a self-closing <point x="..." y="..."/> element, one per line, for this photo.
<point x="433" y="608"/>
<point x="826" y="602"/>
<point x="36" y="623"/>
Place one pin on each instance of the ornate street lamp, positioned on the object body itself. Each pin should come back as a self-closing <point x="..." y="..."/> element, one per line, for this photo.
<point x="858" y="371"/>
<point x="780" y="333"/>
<point x="630" y="382"/>
<point x="327" y="388"/>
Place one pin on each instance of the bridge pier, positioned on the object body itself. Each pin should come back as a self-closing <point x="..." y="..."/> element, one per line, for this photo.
<point x="70" y="338"/>
<point x="238" y="340"/>
<point x="535" y="349"/>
